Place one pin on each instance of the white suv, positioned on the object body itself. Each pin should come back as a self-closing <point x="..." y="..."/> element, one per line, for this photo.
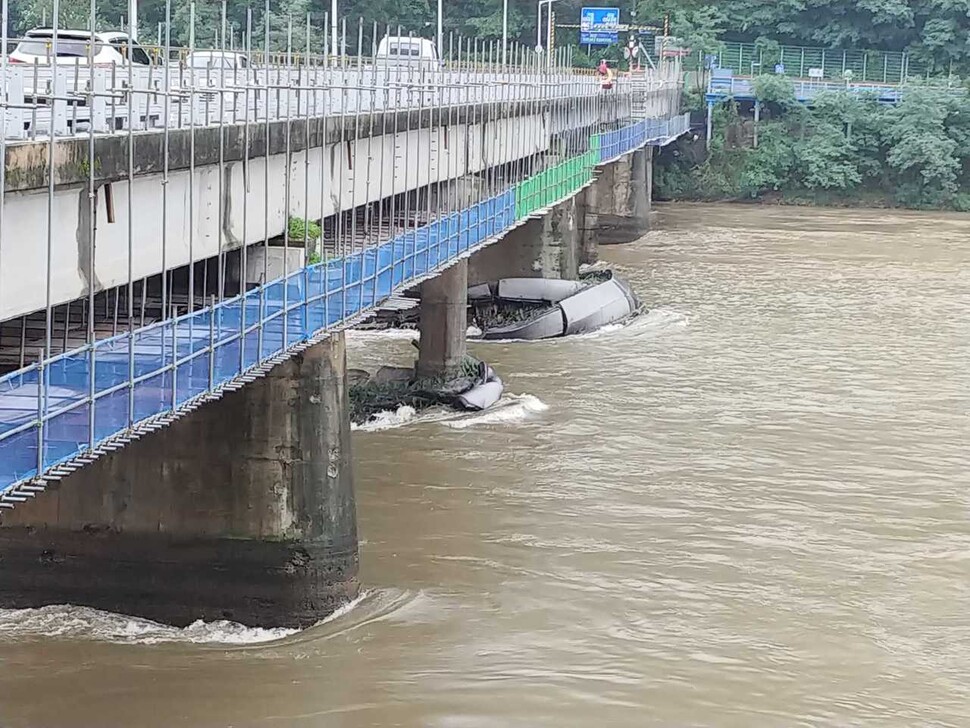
<point x="110" y="49"/>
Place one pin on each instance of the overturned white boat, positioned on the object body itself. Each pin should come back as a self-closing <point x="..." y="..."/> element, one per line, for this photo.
<point x="483" y="394"/>
<point x="543" y="308"/>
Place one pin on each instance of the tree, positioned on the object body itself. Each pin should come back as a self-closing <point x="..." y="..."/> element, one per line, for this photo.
<point x="73" y="14"/>
<point x="922" y="155"/>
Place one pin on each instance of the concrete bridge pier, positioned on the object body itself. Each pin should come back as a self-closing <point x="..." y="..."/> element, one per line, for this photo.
<point x="617" y="204"/>
<point x="243" y="510"/>
<point x="546" y="247"/>
<point x="443" y="324"/>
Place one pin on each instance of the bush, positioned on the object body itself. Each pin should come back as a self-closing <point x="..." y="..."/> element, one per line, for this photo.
<point x="772" y="89"/>
<point x="916" y="154"/>
<point x="300" y="229"/>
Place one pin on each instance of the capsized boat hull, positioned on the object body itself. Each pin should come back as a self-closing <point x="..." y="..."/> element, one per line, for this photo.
<point x="574" y="308"/>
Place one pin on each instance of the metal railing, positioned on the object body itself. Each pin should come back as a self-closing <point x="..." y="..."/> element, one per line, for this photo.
<point x="743" y="88"/>
<point x="885" y="67"/>
<point x="114" y="99"/>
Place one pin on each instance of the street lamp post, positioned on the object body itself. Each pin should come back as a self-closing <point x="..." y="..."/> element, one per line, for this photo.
<point x="548" y="24"/>
<point x="505" y="28"/>
<point x="440" y="28"/>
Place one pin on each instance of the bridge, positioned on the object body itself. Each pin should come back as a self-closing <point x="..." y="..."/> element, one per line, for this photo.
<point x="180" y="251"/>
<point x="724" y="84"/>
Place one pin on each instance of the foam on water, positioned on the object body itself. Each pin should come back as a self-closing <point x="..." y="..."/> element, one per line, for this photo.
<point x="603" y="330"/>
<point x="363" y="337"/>
<point x="510" y="408"/>
<point x="84" y="623"/>
<point x="658" y="321"/>
<point x="387" y="420"/>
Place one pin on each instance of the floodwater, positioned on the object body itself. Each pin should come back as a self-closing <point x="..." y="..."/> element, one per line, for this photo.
<point x="751" y="507"/>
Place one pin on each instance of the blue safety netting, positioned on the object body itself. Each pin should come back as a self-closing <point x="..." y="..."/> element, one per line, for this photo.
<point x="81" y="398"/>
<point x="616" y="143"/>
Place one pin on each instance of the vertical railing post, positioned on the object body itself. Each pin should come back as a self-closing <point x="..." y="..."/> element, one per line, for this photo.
<point x="212" y="342"/>
<point x="175" y="358"/>
<point x="41" y="410"/>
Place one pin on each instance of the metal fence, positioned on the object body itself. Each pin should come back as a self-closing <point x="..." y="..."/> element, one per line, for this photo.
<point x="748" y="59"/>
<point x="116" y="99"/>
<point x="743" y="88"/>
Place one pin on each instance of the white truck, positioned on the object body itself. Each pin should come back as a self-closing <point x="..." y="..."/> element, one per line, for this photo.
<point x="404" y="50"/>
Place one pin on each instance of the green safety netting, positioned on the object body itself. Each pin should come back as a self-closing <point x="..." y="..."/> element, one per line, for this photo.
<point x="555" y="183"/>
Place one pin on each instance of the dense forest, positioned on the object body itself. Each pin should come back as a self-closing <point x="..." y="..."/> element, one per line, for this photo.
<point x="936" y="32"/>
<point x="844" y="149"/>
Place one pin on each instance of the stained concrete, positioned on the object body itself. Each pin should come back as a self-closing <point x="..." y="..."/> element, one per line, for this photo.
<point x="546" y="247"/>
<point x="617" y="204"/>
<point x="243" y="510"/>
<point x="27" y="162"/>
<point x="444" y="323"/>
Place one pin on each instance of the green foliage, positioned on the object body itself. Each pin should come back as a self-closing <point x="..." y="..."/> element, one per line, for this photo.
<point x="772" y="89"/>
<point x="769" y="50"/>
<point x="300" y="229"/>
<point x="827" y="160"/>
<point x="769" y="166"/>
<point x="844" y="147"/>
<point x="699" y="29"/>
<point x="934" y="32"/>
<point x="471" y="18"/>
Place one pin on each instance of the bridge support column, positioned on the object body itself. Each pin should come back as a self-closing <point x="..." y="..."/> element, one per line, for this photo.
<point x="444" y="323"/>
<point x="546" y="247"/>
<point x="243" y="510"/>
<point x="618" y="203"/>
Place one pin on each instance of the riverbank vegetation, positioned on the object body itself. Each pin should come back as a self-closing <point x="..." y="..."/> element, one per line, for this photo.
<point x="842" y="149"/>
<point x="933" y="33"/>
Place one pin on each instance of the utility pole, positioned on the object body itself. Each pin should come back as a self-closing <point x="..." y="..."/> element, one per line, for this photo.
<point x="133" y="19"/>
<point x="333" y="27"/>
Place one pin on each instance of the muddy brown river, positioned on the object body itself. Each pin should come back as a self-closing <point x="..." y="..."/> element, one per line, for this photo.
<point x="750" y="507"/>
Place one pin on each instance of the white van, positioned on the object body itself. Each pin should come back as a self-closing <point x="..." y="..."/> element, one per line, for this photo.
<point x="405" y="50"/>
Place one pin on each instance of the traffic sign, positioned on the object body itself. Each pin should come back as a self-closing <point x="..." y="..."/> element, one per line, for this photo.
<point x="599" y="26"/>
